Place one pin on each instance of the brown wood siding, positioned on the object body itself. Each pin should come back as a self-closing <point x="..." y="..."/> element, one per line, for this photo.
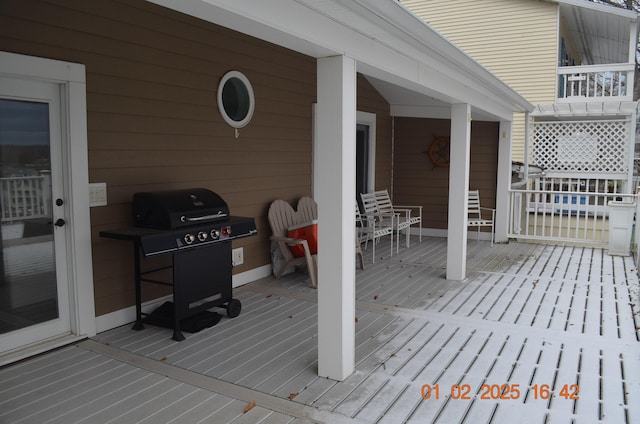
<point x="418" y="182"/>
<point x="153" y="123"/>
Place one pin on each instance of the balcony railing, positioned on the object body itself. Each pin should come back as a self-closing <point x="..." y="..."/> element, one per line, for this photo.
<point x="596" y="82"/>
<point x="561" y="216"/>
<point x="25" y="197"/>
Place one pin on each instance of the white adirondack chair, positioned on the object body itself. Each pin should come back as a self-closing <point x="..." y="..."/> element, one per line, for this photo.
<point x="378" y="203"/>
<point x="371" y="229"/>
<point x="475" y="214"/>
<point x="282" y="216"/>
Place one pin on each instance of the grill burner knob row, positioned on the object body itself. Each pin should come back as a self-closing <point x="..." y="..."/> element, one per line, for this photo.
<point x="202" y="236"/>
<point x="189" y="238"/>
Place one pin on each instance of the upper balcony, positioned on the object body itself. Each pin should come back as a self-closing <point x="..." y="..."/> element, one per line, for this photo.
<point x="595" y="83"/>
<point x="596" y="53"/>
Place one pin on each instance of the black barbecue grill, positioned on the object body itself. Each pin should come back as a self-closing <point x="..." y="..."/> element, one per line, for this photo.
<point x="195" y="227"/>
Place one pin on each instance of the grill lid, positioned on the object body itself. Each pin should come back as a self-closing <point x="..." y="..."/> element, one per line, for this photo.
<point x="177" y="208"/>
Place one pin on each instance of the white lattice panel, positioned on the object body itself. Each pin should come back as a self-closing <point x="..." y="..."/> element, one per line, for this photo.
<point x="581" y="147"/>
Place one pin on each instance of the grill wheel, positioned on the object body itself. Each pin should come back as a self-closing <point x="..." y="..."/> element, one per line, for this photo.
<point x="233" y="308"/>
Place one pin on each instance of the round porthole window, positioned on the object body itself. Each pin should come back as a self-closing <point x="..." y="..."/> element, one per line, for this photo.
<point x="235" y="99"/>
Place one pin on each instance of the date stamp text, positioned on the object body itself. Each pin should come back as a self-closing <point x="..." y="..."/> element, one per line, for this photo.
<point x="499" y="392"/>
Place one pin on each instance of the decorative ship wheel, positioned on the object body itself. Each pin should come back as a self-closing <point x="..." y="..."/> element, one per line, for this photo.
<point x="439" y="152"/>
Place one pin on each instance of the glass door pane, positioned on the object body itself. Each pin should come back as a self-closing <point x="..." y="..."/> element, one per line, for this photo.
<point x="28" y="285"/>
<point x="362" y="162"/>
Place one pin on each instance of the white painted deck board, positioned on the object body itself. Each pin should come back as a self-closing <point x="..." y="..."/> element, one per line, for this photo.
<point x="50" y="377"/>
<point x="526" y="314"/>
<point x="400" y="332"/>
<point x="22" y="372"/>
<point x="198" y="356"/>
<point x="178" y="408"/>
<point x="361" y="395"/>
<point x="51" y="400"/>
<point x="271" y="336"/>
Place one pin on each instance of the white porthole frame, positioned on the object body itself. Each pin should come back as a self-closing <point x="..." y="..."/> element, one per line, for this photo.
<point x="252" y="101"/>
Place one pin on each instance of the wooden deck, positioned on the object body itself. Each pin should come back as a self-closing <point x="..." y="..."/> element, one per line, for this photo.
<point x="553" y="330"/>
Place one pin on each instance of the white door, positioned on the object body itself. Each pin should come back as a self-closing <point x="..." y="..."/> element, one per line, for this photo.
<point x="34" y="292"/>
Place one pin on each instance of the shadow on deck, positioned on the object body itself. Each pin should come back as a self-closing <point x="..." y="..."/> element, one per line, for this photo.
<point x="545" y="333"/>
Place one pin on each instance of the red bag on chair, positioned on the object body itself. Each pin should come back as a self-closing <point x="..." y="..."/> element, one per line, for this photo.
<point x="307" y="231"/>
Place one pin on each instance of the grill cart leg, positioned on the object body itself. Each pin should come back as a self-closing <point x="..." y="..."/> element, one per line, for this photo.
<point x="177" y="298"/>
<point x="138" y="324"/>
<point x="177" y="334"/>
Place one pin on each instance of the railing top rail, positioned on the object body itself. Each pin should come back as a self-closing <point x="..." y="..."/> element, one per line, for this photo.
<point x="30" y="177"/>
<point x="611" y="67"/>
<point x="573" y="193"/>
<point x="581" y="121"/>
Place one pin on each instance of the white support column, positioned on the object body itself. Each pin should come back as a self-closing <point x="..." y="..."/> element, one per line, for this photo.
<point x="629" y="188"/>
<point x="458" y="191"/>
<point x="633" y="41"/>
<point x="334" y="187"/>
<point x="504" y="181"/>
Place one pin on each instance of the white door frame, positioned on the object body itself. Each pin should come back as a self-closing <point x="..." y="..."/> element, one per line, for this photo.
<point x="369" y="119"/>
<point x="79" y="270"/>
<point x="41" y="92"/>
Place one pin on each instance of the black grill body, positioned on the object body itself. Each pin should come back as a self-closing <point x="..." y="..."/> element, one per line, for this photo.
<point x="172" y="209"/>
<point x="195" y="228"/>
<point x="158" y="242"/>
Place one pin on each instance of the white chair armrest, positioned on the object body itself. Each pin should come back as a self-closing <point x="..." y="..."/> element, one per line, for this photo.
<point x="408" y="210"/>
<point x="289" y="240"/>
<point x="408" y="207"/>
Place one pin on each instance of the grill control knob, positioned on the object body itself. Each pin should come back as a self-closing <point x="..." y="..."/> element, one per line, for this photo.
<point x="202" y="236"/>
<point x="215" y="234"/>
<point x="189" y="238"/>
<point x="226" y="231"/>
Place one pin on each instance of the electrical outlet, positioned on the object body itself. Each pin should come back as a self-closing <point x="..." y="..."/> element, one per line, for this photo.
<point x="237" y="256"/>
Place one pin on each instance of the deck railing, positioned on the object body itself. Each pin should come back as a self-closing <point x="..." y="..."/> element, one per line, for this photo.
<point x="561" y="216"/>
<point x="596" y="82"/>
<point x="25" y="197"/>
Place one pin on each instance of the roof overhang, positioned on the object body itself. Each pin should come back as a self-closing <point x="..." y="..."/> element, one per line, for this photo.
<point x="412" y="65"/>
<point x="602" y="33"/>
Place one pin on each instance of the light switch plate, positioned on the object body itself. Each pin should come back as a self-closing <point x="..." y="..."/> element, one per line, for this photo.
<point x="97" y="194"/>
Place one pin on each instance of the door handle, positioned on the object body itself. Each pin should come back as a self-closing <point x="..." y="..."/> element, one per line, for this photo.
<point x="60" y="223"/>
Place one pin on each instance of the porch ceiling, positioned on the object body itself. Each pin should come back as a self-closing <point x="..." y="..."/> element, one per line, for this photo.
<point x="602" y="33"/>
<point x="389" y="44"/>
<point x="411" y="103"/>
